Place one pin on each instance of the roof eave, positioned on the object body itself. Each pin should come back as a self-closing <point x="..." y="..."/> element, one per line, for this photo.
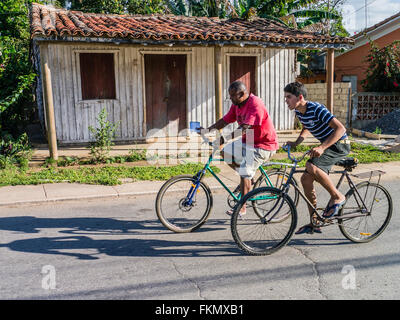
<point x="265" y="44"/>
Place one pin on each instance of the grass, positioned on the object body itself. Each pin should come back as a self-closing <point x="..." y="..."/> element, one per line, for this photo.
<point x="363" y="152"/>
<point x="112" y="174"/>
<point x="106" y="175"/>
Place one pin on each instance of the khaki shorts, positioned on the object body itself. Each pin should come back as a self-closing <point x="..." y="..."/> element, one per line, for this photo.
<point x="247" y="158"/>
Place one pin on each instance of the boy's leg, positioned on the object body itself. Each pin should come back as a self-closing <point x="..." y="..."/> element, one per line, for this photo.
<point x="307" y="181"/>
<point x="323" y="178"/>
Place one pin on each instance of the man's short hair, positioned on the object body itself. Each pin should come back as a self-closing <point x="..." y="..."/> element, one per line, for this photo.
<point x="296" y="88"/>
<point x="237" y="86"/>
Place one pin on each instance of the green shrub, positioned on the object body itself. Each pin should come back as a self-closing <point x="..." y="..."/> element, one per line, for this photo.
<point x="103" y="135"/>
<point x="14" y="151"/>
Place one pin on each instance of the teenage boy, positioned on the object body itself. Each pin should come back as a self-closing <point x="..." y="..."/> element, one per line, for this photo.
<point x="318" y="121"/>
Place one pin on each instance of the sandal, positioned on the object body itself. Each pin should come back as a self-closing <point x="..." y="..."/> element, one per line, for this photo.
<point x="335" y="207"/>
<point x="308" y="228"/>
<point x="230" y="212"/>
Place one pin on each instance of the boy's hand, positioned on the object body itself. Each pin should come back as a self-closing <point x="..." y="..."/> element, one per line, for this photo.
<point x="316" y="152"/>
<point x="291" y="144"/>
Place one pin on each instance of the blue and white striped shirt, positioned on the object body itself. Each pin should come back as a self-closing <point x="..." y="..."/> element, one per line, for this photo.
<point x="316" y="120"/>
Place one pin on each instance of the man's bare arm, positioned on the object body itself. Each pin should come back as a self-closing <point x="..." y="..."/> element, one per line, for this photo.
<point x="218" y="125"/>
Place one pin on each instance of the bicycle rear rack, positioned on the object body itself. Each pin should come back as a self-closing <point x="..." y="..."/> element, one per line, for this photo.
<point x="369" y="175"/>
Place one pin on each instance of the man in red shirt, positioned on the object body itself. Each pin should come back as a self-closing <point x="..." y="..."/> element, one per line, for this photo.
<point x="259" y="139"/>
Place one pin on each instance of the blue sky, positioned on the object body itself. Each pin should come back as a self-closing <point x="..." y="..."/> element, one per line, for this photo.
<point x="377" y="10"/>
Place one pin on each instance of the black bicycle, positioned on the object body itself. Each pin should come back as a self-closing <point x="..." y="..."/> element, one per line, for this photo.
<point x="363" y="217"/>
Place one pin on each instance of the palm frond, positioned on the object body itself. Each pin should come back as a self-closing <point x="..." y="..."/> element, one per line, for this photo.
<point x="321" y="14"/>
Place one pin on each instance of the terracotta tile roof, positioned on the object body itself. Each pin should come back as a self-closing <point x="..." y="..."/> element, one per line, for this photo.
<point x="49" y="22"/>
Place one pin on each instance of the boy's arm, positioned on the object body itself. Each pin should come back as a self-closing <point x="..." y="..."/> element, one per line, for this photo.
<point x="338" y="132"/>
<point x="303" y="134"/>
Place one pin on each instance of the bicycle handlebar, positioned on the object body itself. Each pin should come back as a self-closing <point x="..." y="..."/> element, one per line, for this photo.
<point x="287" y="149"/>
<point x="205" y="139"/>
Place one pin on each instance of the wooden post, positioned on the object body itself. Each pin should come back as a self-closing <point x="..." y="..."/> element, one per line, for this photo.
<point x="218" y="81"/>
<point x="50" y="121"/>
<point x="329" y="78"/>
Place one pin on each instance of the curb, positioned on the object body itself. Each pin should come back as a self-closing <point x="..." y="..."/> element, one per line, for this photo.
<point x="115" y="195"/>
<point x="371" y="135"/>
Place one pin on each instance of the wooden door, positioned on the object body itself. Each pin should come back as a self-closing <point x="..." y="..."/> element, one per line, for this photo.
<point x="165" y="83"/>
<point x="243" y="68"/>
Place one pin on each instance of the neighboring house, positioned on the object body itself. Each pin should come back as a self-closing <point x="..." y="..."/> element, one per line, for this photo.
<point x="350" y="66"/>
<point x="160" y="72"/>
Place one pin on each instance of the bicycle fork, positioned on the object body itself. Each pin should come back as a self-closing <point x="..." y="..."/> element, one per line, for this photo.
<point x="194" y="188"/>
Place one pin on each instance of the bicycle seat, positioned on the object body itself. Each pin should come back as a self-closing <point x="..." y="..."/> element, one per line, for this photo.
<point x="348" y="163"/>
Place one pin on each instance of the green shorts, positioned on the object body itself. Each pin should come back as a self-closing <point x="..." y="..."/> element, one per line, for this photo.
<point x="332" y="155"/>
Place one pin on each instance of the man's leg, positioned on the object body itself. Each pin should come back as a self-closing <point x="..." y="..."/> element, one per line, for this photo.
<point x="253" y="158"/>
<point x="245" y="185"/>
<point x="231" y="161"/>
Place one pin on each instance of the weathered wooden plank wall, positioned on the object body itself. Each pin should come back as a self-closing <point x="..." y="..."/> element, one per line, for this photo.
<point x="275" y="68"/>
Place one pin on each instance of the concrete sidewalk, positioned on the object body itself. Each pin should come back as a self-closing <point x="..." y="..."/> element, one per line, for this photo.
<point x="48" y="193"/>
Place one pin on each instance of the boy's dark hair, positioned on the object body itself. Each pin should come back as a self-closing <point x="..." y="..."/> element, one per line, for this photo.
<point x="296" y="88"/>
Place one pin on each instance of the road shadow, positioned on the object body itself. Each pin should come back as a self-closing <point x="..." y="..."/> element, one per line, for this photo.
<point x="81" y="230"/>
<point x="122" y="247"/>
<point x="93" y="225"/>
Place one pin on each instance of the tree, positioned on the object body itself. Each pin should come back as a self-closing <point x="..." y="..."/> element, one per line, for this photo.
<point x="383" y="74"/>
<point x="16" y="73"/>
<point x="115" y="6"/>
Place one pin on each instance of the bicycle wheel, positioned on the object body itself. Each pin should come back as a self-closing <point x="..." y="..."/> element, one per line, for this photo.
<point x="173" y="210"/>
<point x="260" y="236"/>
<point x="379" y="205"/>
<point x="278" y="178"/>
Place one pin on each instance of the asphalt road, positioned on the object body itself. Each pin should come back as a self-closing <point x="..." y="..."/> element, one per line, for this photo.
<point x="117" y="249"/>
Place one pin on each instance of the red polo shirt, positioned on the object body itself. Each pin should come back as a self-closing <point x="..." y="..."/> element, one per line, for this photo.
<point x="254" y="113"/>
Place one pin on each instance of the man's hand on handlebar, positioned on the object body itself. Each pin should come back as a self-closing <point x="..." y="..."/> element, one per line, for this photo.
<point x="203" y="131"/>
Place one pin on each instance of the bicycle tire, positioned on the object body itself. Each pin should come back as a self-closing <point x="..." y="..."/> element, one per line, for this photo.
<point x="180" y="220"/>
<point x="279" y="174"/>
<point x="257" y="244"/>
<point x="350" y="228"/>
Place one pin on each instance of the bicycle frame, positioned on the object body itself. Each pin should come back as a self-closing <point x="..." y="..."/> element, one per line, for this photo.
<point x="344" y="173"/>
<point x="199" y="176"/>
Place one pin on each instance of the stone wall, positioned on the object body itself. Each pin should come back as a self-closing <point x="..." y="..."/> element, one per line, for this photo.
<point x="341" y="99"/>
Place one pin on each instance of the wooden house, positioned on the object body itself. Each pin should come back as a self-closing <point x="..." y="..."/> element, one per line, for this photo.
<point x="158" y="72"/>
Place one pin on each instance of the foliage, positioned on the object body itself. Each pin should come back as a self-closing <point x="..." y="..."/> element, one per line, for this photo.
<point x="365" y="153"/>
<point x="16" y="73"/>
<point x="14" y="151"/>
<point x="103" y="136"/>
<point x="383" y="74"/>
<point x="116" y="6"/>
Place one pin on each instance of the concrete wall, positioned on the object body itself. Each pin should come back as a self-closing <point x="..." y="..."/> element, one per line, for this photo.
<point x="317" y="92"/>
